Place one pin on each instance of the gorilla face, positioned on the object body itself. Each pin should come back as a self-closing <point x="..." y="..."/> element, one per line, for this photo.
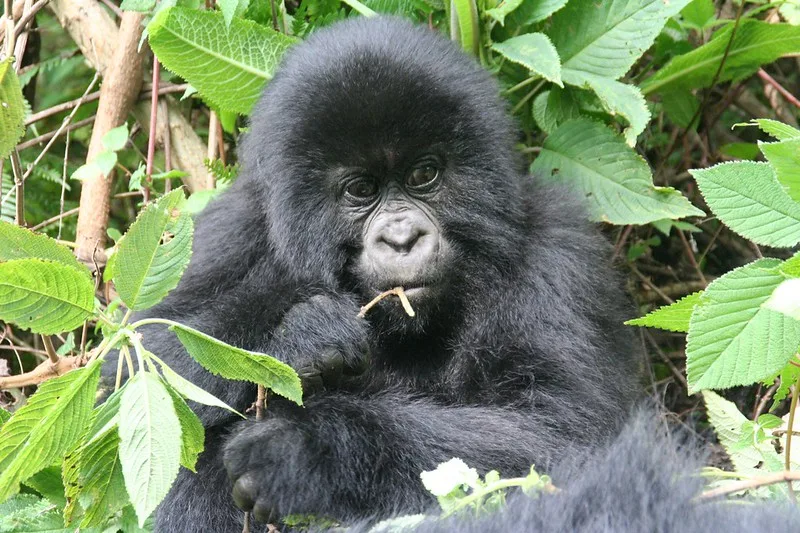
<point x="410" y="176"/>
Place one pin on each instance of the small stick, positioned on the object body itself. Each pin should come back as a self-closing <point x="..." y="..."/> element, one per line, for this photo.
<point x="760" y="481"/>
<point x="397" y="291"/>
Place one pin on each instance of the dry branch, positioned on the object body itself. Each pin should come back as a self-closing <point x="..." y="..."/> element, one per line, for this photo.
<point x="40" y="374"/>
<point x="121" y="84"/>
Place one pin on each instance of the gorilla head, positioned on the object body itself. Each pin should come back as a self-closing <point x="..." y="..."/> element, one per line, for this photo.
<point x="401" y="149"/>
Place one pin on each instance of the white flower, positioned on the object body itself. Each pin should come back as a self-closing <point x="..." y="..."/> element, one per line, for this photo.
<point x="449" y="476"/>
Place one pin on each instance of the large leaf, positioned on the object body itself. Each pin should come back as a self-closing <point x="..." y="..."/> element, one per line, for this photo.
<point x="605" y="38"/>
<point x="614" y="179"/>
<point x="525" y="13"/>
<point x="235" y="363"/>
<point x="748" y="198"/>
<point x="554" y="107"/>
<point x="44" y="296"/>
<point x="732" y="339"/>
<point x="229" y="65"/>
<point x="779" y="130"/>
<point x="756" y="43"/>
<point x="535" y="52"/>
<point x="12" y="110"/>
<point x="43" y="429"/>
<point x="150" y="442"/>
<point x="190" y="391"/>
<point x="20" y="243"/>
<point x="153" y="254"/>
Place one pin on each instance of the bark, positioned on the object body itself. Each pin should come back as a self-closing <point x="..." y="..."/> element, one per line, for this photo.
<point x="122" y="81"/>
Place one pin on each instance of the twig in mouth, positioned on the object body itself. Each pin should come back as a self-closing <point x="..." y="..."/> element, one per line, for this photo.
<point x="397" y="291"/>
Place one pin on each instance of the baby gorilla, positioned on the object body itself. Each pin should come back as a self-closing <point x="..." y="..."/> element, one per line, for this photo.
<point x="380" y="156"/>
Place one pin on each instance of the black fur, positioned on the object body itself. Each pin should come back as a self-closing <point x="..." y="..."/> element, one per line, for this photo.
<point x="523" y="357"/>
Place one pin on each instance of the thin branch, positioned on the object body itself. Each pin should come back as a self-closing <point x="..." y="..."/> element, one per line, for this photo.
<point x="28" y="16"/>
<point x="36" y="141"/>
<point x="792" y="99"/>
<point x="50" y="349"/>
<point x="43" y="372"/>
<point x="747" y="484"/>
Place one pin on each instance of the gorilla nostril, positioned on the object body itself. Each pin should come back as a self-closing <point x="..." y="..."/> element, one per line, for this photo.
<point x="401" y="240"/>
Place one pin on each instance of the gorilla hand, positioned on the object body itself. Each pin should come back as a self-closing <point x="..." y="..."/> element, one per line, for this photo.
<point x="324" y="340"/>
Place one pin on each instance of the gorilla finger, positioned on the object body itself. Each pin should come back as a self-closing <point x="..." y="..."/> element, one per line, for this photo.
<point x="245" y="491"/>
<point x="311" y="380"/>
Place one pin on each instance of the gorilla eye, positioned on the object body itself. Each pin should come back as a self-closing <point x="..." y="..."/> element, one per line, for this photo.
<point x="422" y="176"/>
<point x="362" y="188"/>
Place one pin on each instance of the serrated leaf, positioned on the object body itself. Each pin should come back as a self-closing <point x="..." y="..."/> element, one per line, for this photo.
<point x="732" y="339"/>
<point x="235" y="363"/>
<point x="192" y="432"/>
<point x="617" y="98"/>
<point x="151" y="257"/>
<point x="554" y="107"/>
<point x="44" y="296"/>
<point x="748" y="198"/>
<point x="755" y="43"/>
<point x="229" y="66"/>
<point x="605" y="38"/>
<point x="614" y="179"/>
<point x="43" y="429"/>
<point x="17" y="242"/>
<point x="98" y="483"/>
<point x="116" y="138"/>
<point x="784" y="156"/>
<point x="190" y="391"/>
<point x="673" y="317"/>
<point x="150" y="442"/>
<point x="12" y="108"/>
<point x="779" y="130"/>
<point x="535" y="52"/>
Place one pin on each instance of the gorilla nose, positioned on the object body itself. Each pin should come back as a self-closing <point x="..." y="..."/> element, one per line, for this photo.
<point x="407" y="236"/>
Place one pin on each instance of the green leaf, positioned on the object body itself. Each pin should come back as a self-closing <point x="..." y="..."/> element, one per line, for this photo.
<point x="784" y="156"/>
<point x="231" y="8"/>
<point x="748" y="198"/>
<point x="104" y="162"/>
<point x="235" y="363"/>
<point x="142" y="6"/>
<point x="673" y="317"/>
<point x="98" y="483"/>
<point x="12" y="108"/>
<point x="779" y="130"/>
<point x="228" y="65"/>
<point x="532" y="12"/>
<point x="20" y="243"/>
<point x="190" y="391"/>
<point x="535" y="52"/>
<point x="115" y="139"/>
<point x="554" y="107"/>
<point x="464" y="24"/>
<point x="150" y="442"/>
<point x="698" y="13"/>
<point x="756" y="43"/>
<point x="681" y="107"/>
<point x="44" y="296"/>
<point x="606" y="38"/>
<point x="192" y="432"/>
<point x="614" y="179"/>
<point x="4" y="416"/>
<point x="732" y="339"/>
<point x="505" y="7"/>
<point x="728" y="422"/>
<point x="617" y="98"/>
<point x="153" y="254"/>
<point x="43" y="429"/>
<point x="748" y="151"/>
